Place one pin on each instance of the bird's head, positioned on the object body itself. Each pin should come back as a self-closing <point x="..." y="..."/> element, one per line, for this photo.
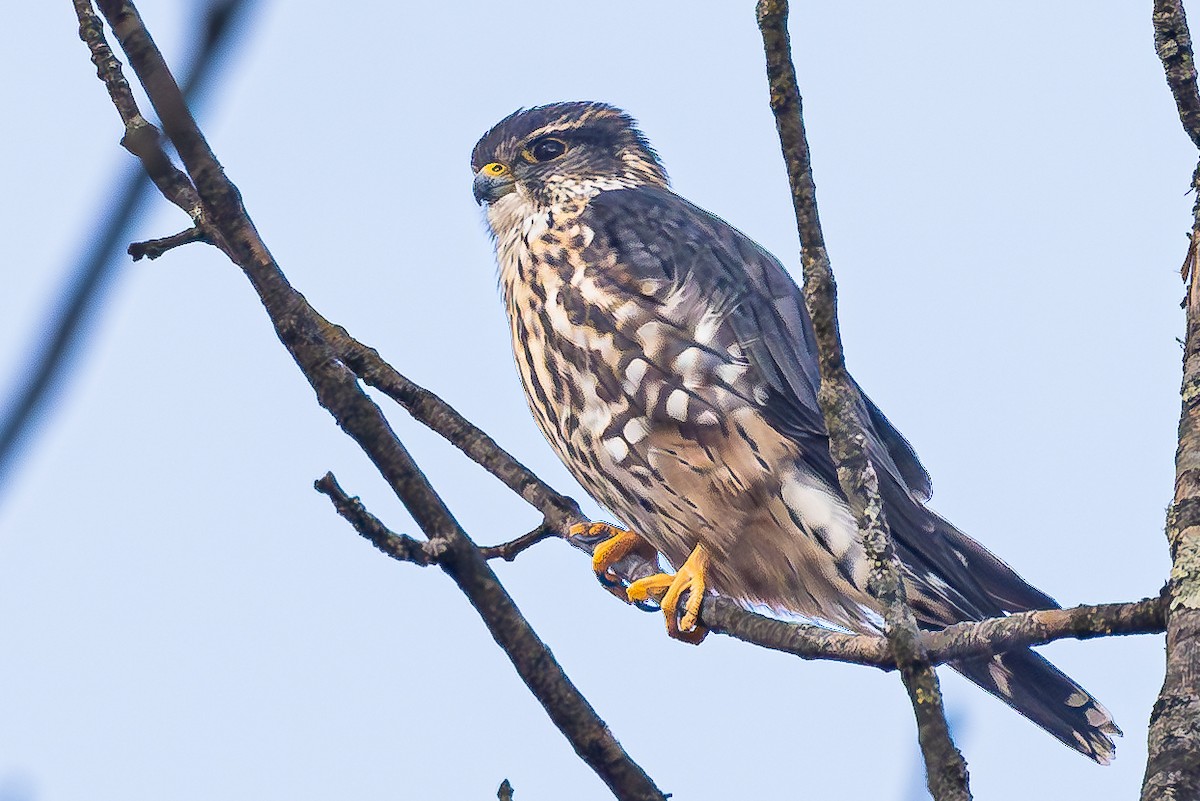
<point x="552" y="152"/>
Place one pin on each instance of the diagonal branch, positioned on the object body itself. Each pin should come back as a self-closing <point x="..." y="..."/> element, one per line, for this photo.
<point x="559" y="511"/>
<point x="141" y="138"/>
<point x="427" y="408"/>
<point x="944" y="766"/>
<point x="68" y="317"/>
<point x="400" y="547"/>
<point x="1173" y="764"/>
<point x="307" y="336"/>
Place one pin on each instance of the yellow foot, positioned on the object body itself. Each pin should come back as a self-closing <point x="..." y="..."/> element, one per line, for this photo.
<point x="620" y="543"/>
<point x="669" y="590"/>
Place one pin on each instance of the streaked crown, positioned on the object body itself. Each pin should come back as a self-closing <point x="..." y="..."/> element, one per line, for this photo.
<point x="578" y="142"/>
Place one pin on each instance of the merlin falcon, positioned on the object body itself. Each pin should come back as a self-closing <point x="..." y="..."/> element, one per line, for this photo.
<point x="670" y="362"/>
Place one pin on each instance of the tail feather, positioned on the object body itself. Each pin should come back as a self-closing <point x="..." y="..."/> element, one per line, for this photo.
<point x="1041" y="692"/>
<point x="951" y="577"/>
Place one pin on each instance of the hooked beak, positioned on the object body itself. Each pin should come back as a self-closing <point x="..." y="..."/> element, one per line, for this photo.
<point x="490" y="187"/>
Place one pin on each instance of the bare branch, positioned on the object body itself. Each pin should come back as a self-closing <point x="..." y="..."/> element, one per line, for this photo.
<point x="398" y="546"/>
<point x="1173" y="764"/>
<point x="719" y="614"/>
<point x="559" y="511"/>
<point x="1023" y="629"/>
<point x="428" y="409"/>
<point x="153" y="248"/>
<point x="141" y="138"/>
<point x="809" y="641"/>
<point x="403" y="547"/>
<point x="307" y="336"/>
<point x="509" y="551"/>
<point x="1173" y="43"/>
<point x="944" y="766"/>
<point x="334" y="362"/>
<point x="960" y="641"/>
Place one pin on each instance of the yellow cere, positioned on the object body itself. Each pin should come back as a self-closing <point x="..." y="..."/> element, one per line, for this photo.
<point x="494" y="170"/>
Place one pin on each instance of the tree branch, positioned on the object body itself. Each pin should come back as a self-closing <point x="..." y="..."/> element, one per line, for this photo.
<point x="141" y="138"/>
<point x="398" y="546"/>
<point x="1173" y="764"/>
<point x="333" y="362"/>
<point x="153" y="248"/>
<point x="559" y="511"/>
<point x="719" y="614"/>
<point x="960" y="641"/>
<point x="510" y="550"/>
<point x="944" y="766"/>
<point x="307" y="337"/>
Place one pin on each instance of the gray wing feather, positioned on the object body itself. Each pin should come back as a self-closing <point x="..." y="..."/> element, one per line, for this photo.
<point x="658" y="235"/>
<point x="764" y="308"/>
<point x="950" y="577"/>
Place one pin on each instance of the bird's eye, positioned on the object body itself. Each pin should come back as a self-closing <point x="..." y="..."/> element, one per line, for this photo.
<point x="547" y="149"/>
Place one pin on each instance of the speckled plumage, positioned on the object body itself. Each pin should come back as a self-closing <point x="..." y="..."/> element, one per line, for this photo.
<point x="669" y="361"/>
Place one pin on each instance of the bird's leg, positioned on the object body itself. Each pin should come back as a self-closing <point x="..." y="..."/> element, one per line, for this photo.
<point x="669" y="591"/>
<point x="619" y="544"/>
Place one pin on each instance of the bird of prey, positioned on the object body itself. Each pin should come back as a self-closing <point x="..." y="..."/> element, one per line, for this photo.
<point x="670" y="362"/>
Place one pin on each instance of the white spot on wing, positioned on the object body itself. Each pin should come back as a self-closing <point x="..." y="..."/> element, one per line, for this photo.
<point x="635" y="371"/>
<point x="731" y="373"/>
<point x="626" y="311"/>
<point x="617" y="448"/>
<point x="707" y="328"/>
<point x="687" y="362"/>
<point x="635" y="430"/>
<point x="650" y="286"/>
<point x="819" y="509"/>
<point x="651" y="336"/>
<point x="677" y="405"/>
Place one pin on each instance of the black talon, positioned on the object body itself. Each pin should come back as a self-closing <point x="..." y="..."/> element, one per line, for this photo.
<point x="607" y="582"/>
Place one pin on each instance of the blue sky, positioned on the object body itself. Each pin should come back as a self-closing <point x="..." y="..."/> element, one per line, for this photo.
<point x="182" y="616"/>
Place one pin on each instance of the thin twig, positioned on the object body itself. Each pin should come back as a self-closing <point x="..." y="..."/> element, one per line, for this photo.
<point x="153" y="248"/>
<point x="307" y="337"/>
<point x="945" y="769"/>
<point x="559" y="511"/>
<point x="403" y="547"/>
<point x="398" y="546"/>
<point x="509" y="551"/>
<point x="1173" y="763"/>
<point x="141" y="138"/>
<point x="427" y="408"/>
